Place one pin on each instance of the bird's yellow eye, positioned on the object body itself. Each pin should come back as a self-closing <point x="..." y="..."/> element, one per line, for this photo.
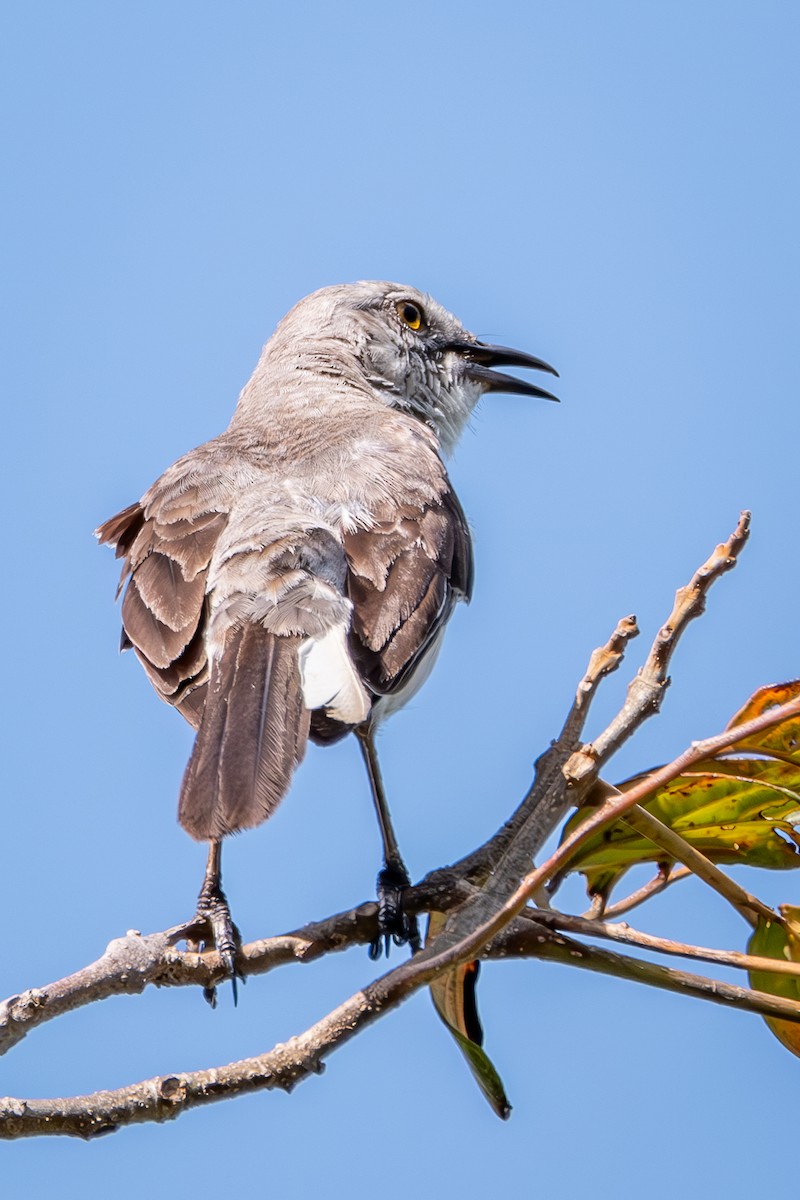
<point x="410" y="314"/>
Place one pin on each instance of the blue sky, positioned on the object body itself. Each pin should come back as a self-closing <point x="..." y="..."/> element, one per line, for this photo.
<point x="611" y="186"/>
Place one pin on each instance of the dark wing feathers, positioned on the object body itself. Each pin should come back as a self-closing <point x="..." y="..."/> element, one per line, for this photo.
<point x="121" y="530"/>
<point x="171" y="681"/>
<point x="191" y="543"/>
<point x="164" y="605"/>
<point x="381" y="612"/>
<point x="173" y="599"/>
<point x="407" y="645"/>
<point x="159" y="644"/>
<point x="251" y="721"/>
<point x="406" y="573"/>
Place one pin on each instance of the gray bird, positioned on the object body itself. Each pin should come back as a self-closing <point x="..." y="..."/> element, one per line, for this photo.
<point x="292" y="578"/>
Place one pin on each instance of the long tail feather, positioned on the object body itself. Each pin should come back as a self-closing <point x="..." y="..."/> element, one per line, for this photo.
<point x="252" y="735"/>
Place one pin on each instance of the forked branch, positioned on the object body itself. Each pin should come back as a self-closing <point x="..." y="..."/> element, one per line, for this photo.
<point x="485" y="896"/>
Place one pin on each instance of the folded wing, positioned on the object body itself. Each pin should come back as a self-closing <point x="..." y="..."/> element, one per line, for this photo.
<point x="405" y="575"/>
<point x="165" y="564"/>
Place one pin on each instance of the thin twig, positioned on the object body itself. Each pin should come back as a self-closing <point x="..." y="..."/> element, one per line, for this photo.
<point x="617" y="806"/>
<point x="748" y="906"/>
<point x="634" y="937"/>
<point x="646" y="690"/>
<point x="653" y="887"/>
<point x="527" y="940"/>
<point x="550" y="796"/>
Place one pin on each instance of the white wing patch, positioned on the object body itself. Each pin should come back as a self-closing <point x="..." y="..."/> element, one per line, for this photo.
<point x="330" y="680"/>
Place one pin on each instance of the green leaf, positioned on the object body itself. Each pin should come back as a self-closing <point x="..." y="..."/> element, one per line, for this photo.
<point x="772" y="939"/>
<point x="733" y="811"/>
<point x="454" y="999"/>
<point x="733" y="808"/>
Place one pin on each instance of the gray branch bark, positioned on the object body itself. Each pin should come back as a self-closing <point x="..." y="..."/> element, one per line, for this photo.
<point x="484" y="896"/>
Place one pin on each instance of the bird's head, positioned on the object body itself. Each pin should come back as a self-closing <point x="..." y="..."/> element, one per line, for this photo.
<point x="411" y="352"/>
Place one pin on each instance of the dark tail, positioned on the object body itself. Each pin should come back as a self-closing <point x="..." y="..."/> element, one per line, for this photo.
<point x="252" y="735"/>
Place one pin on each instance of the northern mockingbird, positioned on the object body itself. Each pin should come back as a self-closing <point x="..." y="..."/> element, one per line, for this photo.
<point x="292" y="578"/>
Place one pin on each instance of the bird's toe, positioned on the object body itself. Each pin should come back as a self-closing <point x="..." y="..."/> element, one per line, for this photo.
<point x="395" y="924"/>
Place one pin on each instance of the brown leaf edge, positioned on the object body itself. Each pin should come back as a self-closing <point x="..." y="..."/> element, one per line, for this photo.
<point x="454" y="998"/>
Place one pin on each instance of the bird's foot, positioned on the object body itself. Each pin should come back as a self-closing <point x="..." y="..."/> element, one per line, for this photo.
<point x="212" y="928"/>
<point x="394" y="923"/>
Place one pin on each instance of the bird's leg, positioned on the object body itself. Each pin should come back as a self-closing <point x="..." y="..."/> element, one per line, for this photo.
<point x="394" y="924"/>
<point x="213" y="913"/>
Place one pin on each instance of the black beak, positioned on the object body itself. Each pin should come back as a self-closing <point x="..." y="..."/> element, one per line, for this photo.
<point x="480" y="358"/>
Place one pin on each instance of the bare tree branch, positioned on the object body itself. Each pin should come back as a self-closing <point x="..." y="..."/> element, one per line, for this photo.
<point x="662" y="880"/>
<point x="526" y="940"/>
<point x="646" y="690"/>
<point x="558" y="784"/>
<point x="136" y="961"/>
<point x="550" y="795"/>
<point x="646" y="941"/>
<point x="166" y="1097"/>
<point x="440" y="957"/>
<point x="619" y="804"/>
<point x="485" y="895"/>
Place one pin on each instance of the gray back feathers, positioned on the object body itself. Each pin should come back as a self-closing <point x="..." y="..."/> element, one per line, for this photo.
<point x="285" y="576"/>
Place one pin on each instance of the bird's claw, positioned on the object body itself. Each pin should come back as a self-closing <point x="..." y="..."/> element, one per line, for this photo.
<point x="394" y="923"/>
<point x="214" y="929"/>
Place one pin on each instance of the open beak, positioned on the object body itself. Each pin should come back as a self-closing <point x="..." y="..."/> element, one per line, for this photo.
<point x="480" y="358"/>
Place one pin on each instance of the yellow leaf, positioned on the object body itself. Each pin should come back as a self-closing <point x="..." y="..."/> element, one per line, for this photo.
<point x="782" y="741"/>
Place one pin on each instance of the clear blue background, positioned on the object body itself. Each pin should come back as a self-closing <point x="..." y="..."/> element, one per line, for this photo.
<point x="611" y="186"/>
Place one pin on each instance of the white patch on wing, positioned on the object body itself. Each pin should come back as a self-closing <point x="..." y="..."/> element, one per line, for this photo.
<point x="330" y="680"/>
